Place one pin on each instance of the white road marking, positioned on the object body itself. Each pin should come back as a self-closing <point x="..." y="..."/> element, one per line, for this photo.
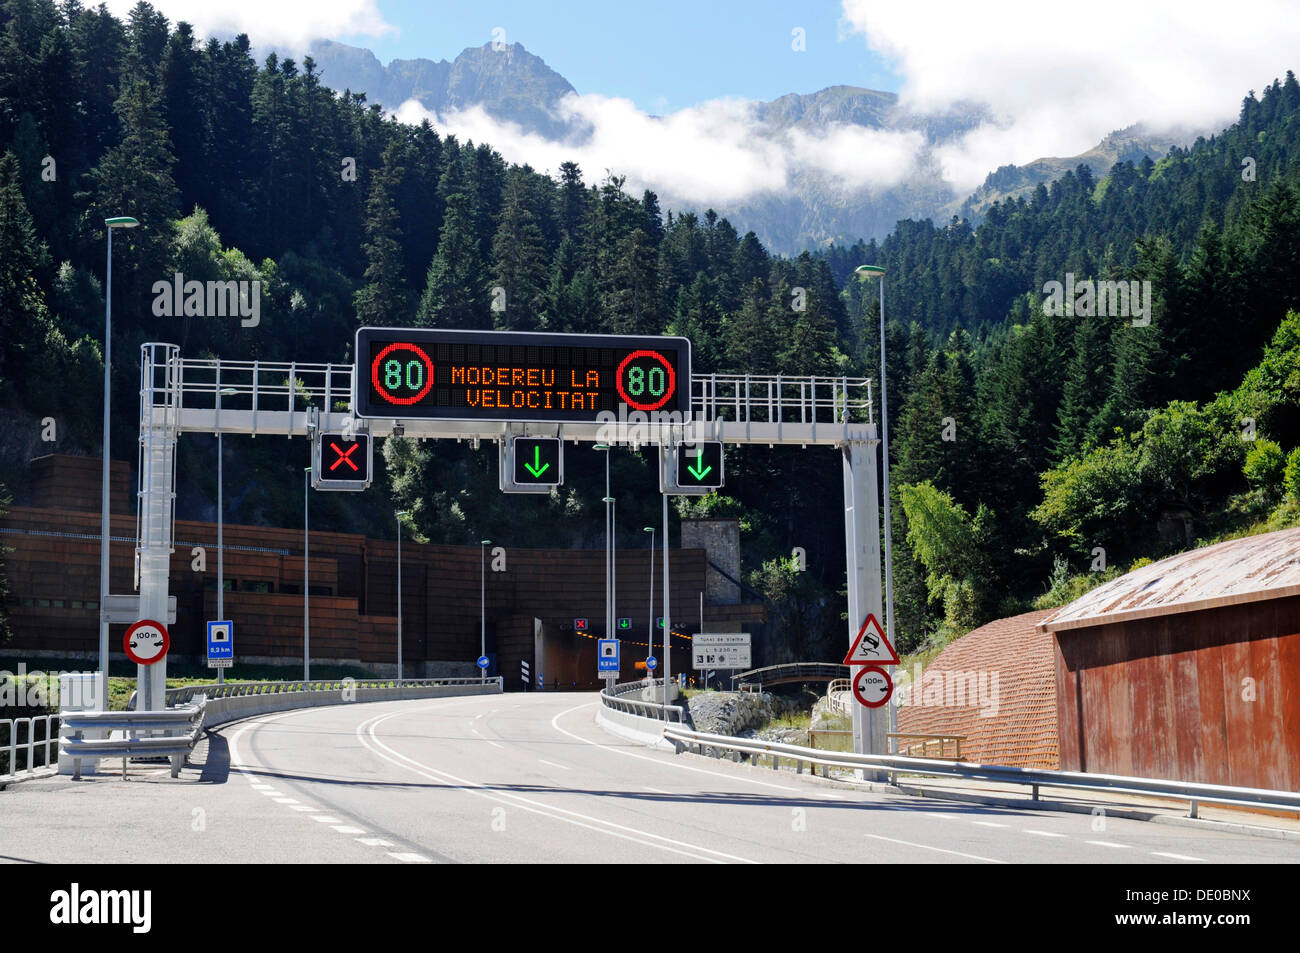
<point x="655" y="790"/>
<point x="374" y="842"/>
<point x="946" y="817"/>
<point x="563" y="767"/>
<point x="1161" y="853"/>
<point x="1043" y="833"/>
<point x="1107" y="843"/>
<point x="326" y="819"/>
<point x="988" y="824"/>
<point x="285" y="800"/>
<point x="410" y="858"/>
<point x="473" y="729"/>
<point x="832" y="797"/>
<point x="575" y="818"/>
<point x="345" y="829"/>
<point x="941" y="850"/>
<point x="302" y="807"/>
<point x="493" y="743"/>
<point x="673" y="764"/>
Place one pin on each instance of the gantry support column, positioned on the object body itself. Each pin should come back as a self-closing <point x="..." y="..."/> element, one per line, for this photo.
<point x="862" y="555"/>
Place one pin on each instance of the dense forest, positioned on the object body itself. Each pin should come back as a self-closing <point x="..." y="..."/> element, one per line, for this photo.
<point x="1022" y="441"/>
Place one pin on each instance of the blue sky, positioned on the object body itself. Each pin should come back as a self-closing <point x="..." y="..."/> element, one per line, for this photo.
<point x="664" y="55"/>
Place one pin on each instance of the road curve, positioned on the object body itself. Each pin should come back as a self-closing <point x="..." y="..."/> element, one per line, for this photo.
<point x="533" y="778"/>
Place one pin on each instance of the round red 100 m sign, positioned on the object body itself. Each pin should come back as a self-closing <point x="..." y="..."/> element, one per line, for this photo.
<point x="872" y="686"/>
<point x="146" y="642"/>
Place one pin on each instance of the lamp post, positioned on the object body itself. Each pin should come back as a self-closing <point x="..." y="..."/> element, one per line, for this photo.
<point x="868" y="272"/>
<point x="667" y="621"/>
<point x="306" y="578"/>
<point x="613" y="567"/>
<point x="607" y="499"/>
<point x="482" y="633"/>
<point x="650" y="638"/>
<point x="122" y="221"/>
<point x="221" y="511"/>
<point x="400" y="515"/>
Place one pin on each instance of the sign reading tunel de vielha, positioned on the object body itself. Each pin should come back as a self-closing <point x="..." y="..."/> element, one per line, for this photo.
<point x="506" y="375"/>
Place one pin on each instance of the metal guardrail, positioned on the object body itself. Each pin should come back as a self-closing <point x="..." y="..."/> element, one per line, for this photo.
<point x="1193" y="792"/>
<point x="613" y="699"/>
<point x="178" y="696"/>
<point x="9" y="729"/>
<point x="837" y="696"/>
<point x="171" y="732"/>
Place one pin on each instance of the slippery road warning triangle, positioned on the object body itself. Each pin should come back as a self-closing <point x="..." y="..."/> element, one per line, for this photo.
<point x="871" y="647"/>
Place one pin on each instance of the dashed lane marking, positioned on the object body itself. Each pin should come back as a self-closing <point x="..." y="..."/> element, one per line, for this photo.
<point x="1043" y="833"/>
<point x="1161" y="853"/>
<point x="1109" y="843"/>
<point x="409" y="858"/>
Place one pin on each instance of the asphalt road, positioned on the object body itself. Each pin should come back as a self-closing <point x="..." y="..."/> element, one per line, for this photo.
<point x="533" y="778"/>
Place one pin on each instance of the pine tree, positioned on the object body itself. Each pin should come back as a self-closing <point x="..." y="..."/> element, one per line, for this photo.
<point x="384" y="300"/>
<point x="518" y="262"/>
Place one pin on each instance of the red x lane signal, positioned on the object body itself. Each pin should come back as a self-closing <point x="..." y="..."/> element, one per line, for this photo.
<point x="343" y="456"/>
<point x="342" y="461"/>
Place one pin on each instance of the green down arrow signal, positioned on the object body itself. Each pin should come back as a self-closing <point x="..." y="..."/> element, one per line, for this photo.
<point x="536" y="468"/>
<point x="699" y="474"/>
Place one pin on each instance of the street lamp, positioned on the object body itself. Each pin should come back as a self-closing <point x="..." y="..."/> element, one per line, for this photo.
<point x="607" y="499"/>
<point x="400" y="515"/>
<point x="868" y="272"/>
<point x="121" y="221"/>
<point x="613" y="568"/>
<point x="221" y="510"/>
<point x="482" y="632"/>
<point x="306" y="578"/>
<point x="650" y="638"/>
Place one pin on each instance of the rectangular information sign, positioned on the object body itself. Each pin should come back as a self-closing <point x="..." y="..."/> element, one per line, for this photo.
<point x="435" y="374"/>
<point x="720" y="650"/>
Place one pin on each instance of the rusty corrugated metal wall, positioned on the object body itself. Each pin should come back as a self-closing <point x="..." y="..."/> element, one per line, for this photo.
<point x="1210" y="695"/>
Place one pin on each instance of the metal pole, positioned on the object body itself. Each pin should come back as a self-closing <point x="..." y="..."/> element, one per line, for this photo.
<point x="613" y="567"/>
<point x="482" y="632"/>
<point x="667" y="622"/>
<point x="221" y="576"/>
<point x="884" y="450"/>
<point x="306" y="579"/>
<point x="650" y="629"/>
<point x="399" y="600"/>
<point x="607" y="562"/>
<point x="103" y="502"/>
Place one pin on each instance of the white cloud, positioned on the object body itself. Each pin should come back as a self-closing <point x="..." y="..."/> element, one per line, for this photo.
<point x="716" y="152"/>
<point x="292" y="23"/>
<point x="1060" y="76"/>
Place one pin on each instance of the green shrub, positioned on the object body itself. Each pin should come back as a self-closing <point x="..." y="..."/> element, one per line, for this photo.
<point x="1291" y="476"/>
